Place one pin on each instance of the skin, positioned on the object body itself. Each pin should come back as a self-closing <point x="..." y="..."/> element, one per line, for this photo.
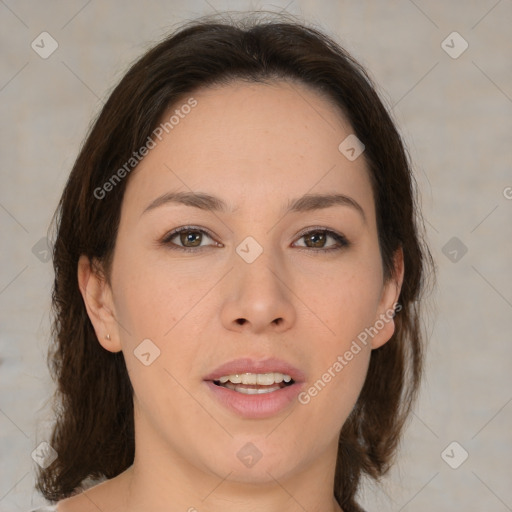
<point x="255" y="146"/>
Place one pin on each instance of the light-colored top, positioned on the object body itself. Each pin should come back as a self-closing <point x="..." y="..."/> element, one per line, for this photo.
<point x="45" y="508"/>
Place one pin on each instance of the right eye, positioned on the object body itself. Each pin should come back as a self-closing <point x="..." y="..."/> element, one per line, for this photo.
<point x="186" y="235"/>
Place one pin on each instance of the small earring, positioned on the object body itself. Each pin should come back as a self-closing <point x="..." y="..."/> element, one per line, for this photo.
<point x="108" y="337"/>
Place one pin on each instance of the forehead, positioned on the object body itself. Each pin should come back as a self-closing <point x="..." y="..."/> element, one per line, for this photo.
<point x="252" y="142"/>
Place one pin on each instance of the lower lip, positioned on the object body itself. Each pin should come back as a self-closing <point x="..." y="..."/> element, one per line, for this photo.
<point x="257" y="406"/>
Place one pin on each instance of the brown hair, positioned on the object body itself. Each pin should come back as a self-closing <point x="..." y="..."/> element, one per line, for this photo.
<point x="94" y="430"/>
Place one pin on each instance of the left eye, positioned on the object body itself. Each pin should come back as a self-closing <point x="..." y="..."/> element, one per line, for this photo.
<point x="319" y="236"/>
<point x="190" y="238"/>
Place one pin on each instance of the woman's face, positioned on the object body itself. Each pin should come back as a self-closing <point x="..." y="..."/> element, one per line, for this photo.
<point x="253" y="285"/>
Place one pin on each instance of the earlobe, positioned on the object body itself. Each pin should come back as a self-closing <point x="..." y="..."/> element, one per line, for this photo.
<point x="97" y="297"/>
<point x="385" y="323"/>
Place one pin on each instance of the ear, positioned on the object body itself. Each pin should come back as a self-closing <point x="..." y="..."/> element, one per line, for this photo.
<point x="384" y="322"/>
<point x="97" y="296"/>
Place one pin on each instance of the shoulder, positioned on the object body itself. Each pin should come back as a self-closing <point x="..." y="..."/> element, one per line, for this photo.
<point x="91" y="496"/>
<point x="76" y="501"/>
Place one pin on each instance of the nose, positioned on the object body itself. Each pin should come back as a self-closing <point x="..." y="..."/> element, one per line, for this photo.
<point x="258" y="297"/>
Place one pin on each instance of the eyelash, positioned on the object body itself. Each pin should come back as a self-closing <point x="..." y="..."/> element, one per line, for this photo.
<point x="342" y="241"/>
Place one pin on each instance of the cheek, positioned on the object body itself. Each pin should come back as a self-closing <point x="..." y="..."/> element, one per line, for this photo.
<point x="340" y="359"/>
<point x="333" y="390"/>
<point x="151" y="298"/>
<point x="167" y="308"/>
<point x="348" y="303"/>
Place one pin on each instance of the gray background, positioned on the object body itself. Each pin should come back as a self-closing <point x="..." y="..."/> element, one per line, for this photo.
<point x="455" y="116"/>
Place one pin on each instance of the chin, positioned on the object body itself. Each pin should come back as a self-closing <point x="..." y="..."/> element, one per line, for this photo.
<point x="254" y="463"/>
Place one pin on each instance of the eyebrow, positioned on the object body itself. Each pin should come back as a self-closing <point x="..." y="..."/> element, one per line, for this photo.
<point x="207" y="202"/>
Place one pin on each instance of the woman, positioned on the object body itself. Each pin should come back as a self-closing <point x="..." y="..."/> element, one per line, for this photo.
<point x="238" y="277"/>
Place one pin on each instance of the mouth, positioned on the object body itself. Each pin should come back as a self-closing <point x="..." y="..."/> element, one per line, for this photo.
<point x="255" y="383"/>
<point x="255" y="389"/>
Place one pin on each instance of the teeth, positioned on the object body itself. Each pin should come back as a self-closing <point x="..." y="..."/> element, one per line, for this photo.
<point x="265" y="379"/>
<point x="251" y="391"/>
<point x="262" y="379"/>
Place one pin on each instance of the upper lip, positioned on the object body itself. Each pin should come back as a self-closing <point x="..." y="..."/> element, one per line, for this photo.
<point x="247" y="365"/>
